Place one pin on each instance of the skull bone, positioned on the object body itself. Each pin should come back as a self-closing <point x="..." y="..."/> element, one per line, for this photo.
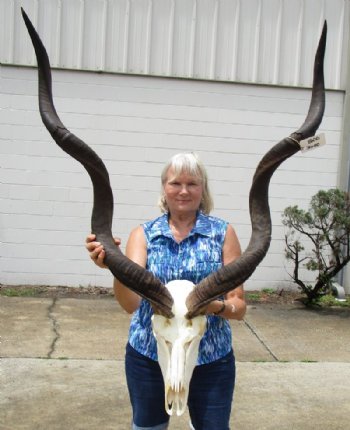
<point x="178" y="341"/>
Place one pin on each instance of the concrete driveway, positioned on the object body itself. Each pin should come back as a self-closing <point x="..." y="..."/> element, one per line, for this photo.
<point x="62" y="367"/>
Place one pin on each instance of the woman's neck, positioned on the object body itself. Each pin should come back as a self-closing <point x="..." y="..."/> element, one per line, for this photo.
<point x="181" y="225"/>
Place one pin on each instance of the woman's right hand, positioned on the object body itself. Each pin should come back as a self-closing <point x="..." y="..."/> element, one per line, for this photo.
<point x="96" y="251"/>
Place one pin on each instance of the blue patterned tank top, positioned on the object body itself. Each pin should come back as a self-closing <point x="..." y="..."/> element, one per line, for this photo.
<point x="192" y="259"/>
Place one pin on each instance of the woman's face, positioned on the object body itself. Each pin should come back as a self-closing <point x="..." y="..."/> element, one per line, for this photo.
<point x="183" y="193"/>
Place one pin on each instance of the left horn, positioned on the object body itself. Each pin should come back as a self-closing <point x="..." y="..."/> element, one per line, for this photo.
<point x="234" y="274"/>
<point x="132" y="275"/>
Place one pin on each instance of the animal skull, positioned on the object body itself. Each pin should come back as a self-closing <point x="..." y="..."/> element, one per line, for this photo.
<point x="178" y="341"/>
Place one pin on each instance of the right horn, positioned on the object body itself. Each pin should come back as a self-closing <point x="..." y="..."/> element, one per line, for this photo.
<point x="135" y="277"/>
<point x="234" y="274"/>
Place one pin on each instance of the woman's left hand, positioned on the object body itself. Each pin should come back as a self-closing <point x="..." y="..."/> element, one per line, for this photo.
<point x="233" y="307"/>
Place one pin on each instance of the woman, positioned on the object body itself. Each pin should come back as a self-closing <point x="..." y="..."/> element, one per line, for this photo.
<point x="184" y="243"/>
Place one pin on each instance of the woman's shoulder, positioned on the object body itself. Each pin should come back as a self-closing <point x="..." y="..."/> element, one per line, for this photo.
<point x="213" y="220"/>
<point x="156" y="223"/>
<point x="136" y="231"/>
<point x="212" y="227"/>
<point x="136" y="237"/>
<point x="156" y="227"/>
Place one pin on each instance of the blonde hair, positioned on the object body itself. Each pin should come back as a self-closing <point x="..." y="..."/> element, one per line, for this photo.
<point x="187" y="163"/>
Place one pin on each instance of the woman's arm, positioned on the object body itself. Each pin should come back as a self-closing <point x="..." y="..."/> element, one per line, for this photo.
<point x="136" y="250"/>
<point x="235" y="305"/>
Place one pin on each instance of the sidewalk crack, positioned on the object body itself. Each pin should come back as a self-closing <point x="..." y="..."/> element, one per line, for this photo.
<point x="54" y="327"/>
<point x="252" y="329"/>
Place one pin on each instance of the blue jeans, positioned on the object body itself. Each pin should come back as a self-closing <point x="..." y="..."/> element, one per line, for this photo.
<point x="209" y="401"/>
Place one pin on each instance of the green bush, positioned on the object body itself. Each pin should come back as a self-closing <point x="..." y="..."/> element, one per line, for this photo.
<point x="326" y="229"/>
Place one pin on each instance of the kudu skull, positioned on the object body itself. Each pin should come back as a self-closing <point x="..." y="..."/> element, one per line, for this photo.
<point x="184" y="308"/>
<point x="178" y="341"/>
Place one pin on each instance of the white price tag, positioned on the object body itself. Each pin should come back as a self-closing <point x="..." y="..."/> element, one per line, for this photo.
<point x="312" y="142"/>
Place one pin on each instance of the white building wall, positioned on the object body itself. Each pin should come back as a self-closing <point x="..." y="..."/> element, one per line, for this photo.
<point x="135" y="124"/>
